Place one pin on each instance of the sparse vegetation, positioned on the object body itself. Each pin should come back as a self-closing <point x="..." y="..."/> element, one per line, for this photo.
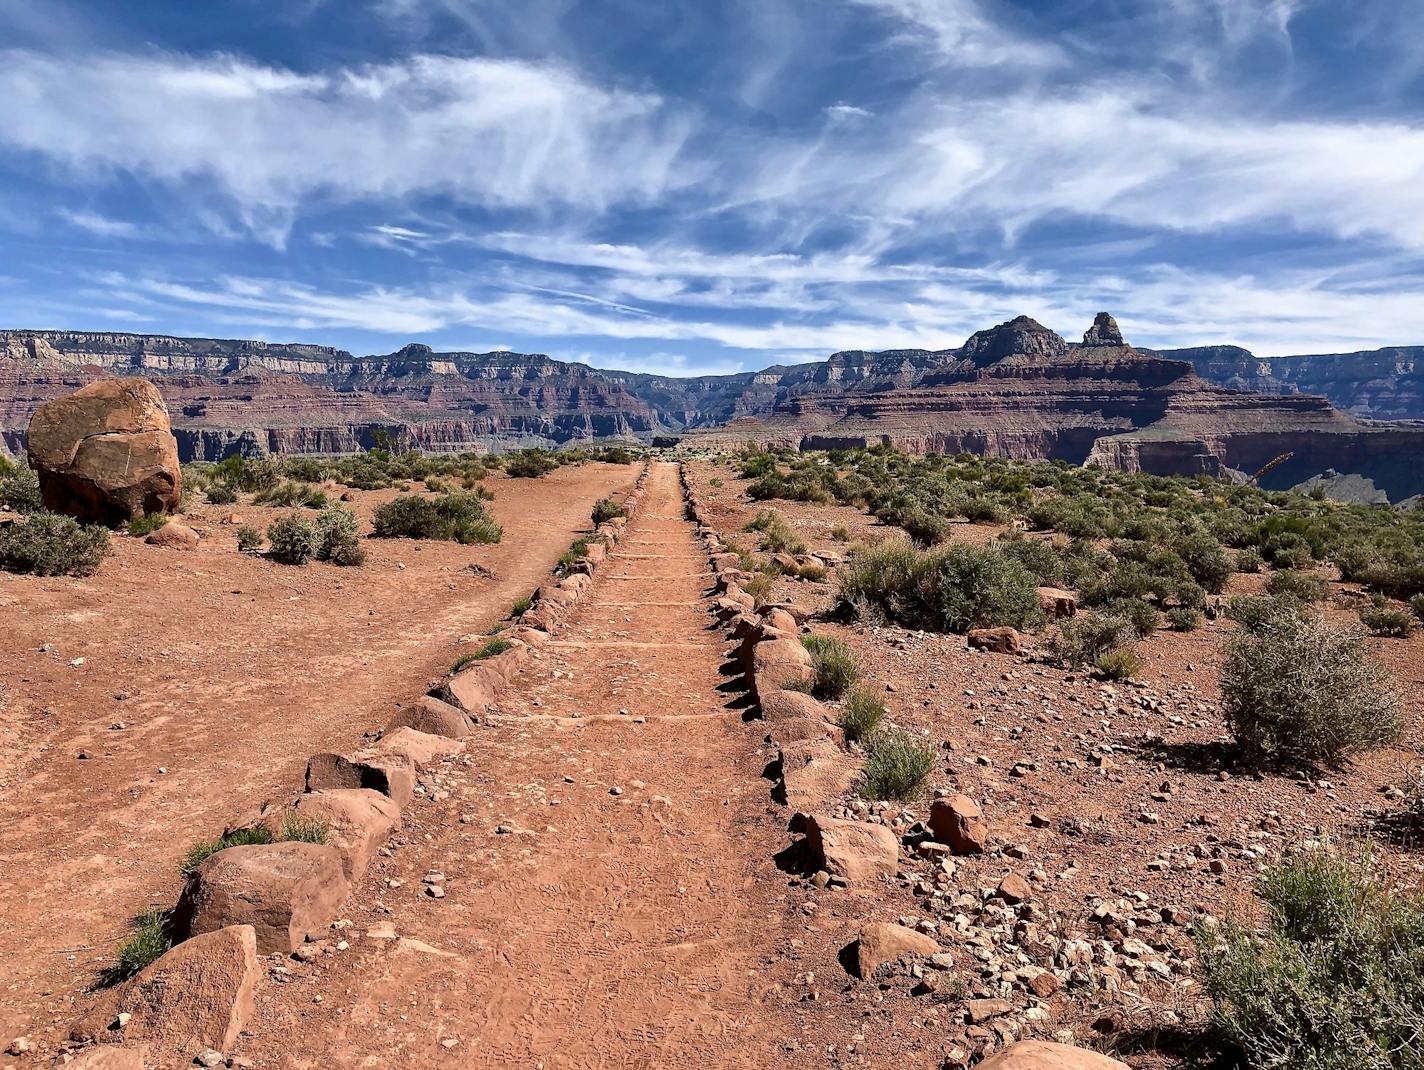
<point x="47" y="544"/>
<point x="606" y="509"/>
<point x="201" y="851"/>
<point x="834" y="664"/>
<point x="455" y="517"/>
<point x="1088" y="637"/>
<point x="951" y="589"/>
<point x="520" y="607"/>
<point x="1302" y="586"/>
<point x="530" y="464"/>
<point x="896" y="764"/>
<point x="861" y="714"/>
<point x="299" y="828"/>
<point x="19" y="488"/>
<point x="1334" y="980"/>
<point x="288" y="494"/>
<point x="150" y="936"/>
<point x="249" y="539"/>
<point x="1387" y="621"/>
<point x="146" y="525"/>
<point x="1184" y="618"/>
<point x="1297" y="688"/>
<point x="777" y="536"/>
<point x="293" y="539"/>
<point x="1120" y="664"/>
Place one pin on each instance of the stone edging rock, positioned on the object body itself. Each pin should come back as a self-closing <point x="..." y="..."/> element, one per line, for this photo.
<point x="265" y="898"/>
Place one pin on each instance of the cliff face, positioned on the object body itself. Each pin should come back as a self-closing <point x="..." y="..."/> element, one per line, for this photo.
<point x="1384" y="384"/>
<point x="1015" y="390"/>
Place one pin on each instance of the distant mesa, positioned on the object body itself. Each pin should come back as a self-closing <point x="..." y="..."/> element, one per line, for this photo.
<point x="1016" y="389"/>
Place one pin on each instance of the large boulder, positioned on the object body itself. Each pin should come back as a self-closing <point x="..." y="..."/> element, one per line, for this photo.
<point x="392" y="775"/>
<point x="197" y="995"/>
<point x="428" y="714"/>
<point x="777" y="663"/>
<point x="357" y="821"/>
<point x="884" y="942"/>
<point x="998" y="640"/>
<point x="1057" y="603"/>
<point x="106" y="453"/>
<point x="285" y="891"/>
<point x="1042" y="1055"/>
<point x="853" y="851"/>
<point x="422" y="749"/>
<point x="959" y="822"/>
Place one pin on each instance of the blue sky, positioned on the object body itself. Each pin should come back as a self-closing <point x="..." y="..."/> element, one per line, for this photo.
<point x="714" y="186"/>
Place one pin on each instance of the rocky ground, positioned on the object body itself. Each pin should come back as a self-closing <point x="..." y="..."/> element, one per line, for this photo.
<point x="1114" y="815"/>
<point x="145" y="706"/>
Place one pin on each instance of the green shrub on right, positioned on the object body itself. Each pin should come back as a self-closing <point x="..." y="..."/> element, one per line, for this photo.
<point x="1334" y="980"/>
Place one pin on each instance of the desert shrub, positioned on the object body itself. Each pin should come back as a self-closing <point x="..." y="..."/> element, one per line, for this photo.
<point x="811" y="572"/>
<point x="577" y="550"/>
<point x="146" y="525"/>
<point x="1387" y="621"/>
<point x="1416" y="604"/>
<point x="338" y="539"/>
<point x="896" y="764"/>
<point x="149" y="938"/>
<point x="300" y="828"/>
<point x="1039" y="557"/>
<point x="605" y="509"/>
<point x="294" y="539"/>
<point x="1144" y="617"/>
<point x="1249" y="560"/>
<point x="840" y="533"/>
<point x="1206" y="559"/>
<point x="201" y="851"/>
<point x="952" y="589"/>
<point x="777" y="536"/>
<point x="1303" y="586"/>
<point x="530" y="464"/>
<point x="834" y="664"/>
<point x="520" y="606"/>
<point x="221" y="493"/>
<point x="460" y="518"/>
<point x="1297" y="688"/>
<point x="19" y="488"/>
<point x="249" y="539"/>
<point x="923" y="526"/>
<point x="288" y="494"/>
<point x="759" y="587"/>
<point x="1120" y="664"/>
<point x="47" y="544"/>
<point x="1184" y="618"/>
<point x="861" y="713"/>
<point x="1333" y="981"/>
<point x="1089" y="636"/>
<point x="1252" y="611"/>
<point x="493" y="648"/>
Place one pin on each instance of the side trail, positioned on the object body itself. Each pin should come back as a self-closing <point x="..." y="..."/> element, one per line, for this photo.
<point x="602" y="850"/>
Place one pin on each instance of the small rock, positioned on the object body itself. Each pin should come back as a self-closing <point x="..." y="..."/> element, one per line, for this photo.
<point x="209" y="1057"/>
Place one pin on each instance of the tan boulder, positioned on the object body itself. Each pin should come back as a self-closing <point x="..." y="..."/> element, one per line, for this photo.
<point x="431" y="715"/>
<point x="792" y="705"/>
<point x="778" y="618"/>
<point x="959" y="822"/>
<point x="885" y="942"/>
<point x="999" y="640"/>
<point x="472" y="688"/>
<point x="1014" y="889"/>
<point x="422" y="748"/>
<point x="197" y="995"/>
<point x="174" y="536"/>
<point x="285" y="891"/>
<point x="777" y="663"/>
<point x="106" y="453"/>
<point x="1057" y="603"/>
<point x="108" y="1057"/>
<point x="392" y="775"/>
<point x="814" y="771"/>
<point x="1043" y="1055"/>
<point x="358" y="821"/>
<point x="853" y="851"/>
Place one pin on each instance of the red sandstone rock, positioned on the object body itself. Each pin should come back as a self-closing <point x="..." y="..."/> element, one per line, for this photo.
<point x="854" y="851"/>
<point x="882" y="942"/>
<point x="959" y="822"/>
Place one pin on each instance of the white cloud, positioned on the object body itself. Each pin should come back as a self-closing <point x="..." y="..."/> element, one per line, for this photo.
<point x="964" y="35"/>
<point x="497" y="132"/>
<point x="98" y="224"/>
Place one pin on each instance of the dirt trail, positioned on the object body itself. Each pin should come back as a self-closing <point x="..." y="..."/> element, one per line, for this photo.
<point x="240" y="669"/>
<point x="609" y="895"/>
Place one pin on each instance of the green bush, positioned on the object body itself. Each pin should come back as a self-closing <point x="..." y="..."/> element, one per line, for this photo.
<point x="149" y="938"/>
<point x="834" y="664"/>
<point x="1300" y="689"/>
<point x="530" y="464"/>
<point x="951" y="589"/>
<point x="1120" y="664"/>
<point x="1334" y="980"/>
<point x="249" y="539"/>
<point x="221" y="494"/>
<point x="294" y="539"/>
<point x="459" y="517"/>
<point x="288" y="494"/>
<point x="777" y="536"/>
<point x="1249" y="560"/>
<point x="760" y="588"/>
<point x="1184" y="619"/>
<point x="1089" y="636"/>
<point x="1206" y="559"/>
<point x="1144" y="617"/>
<point x="896" y="764"/>
<point x="605" y="509"/>
<point x="1387" y="621"/>
<point x="147" y="525"/>
<point x="1303" y="586"/>
<point x="520" y="607"/>
<point x="861" y="713"/>
<point x="47" y="544"/>
<point x="1416" y="604"/>
<point x="299" y="828"/>
<point x="338" y="539"/>
<point x="19" y="488"/>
